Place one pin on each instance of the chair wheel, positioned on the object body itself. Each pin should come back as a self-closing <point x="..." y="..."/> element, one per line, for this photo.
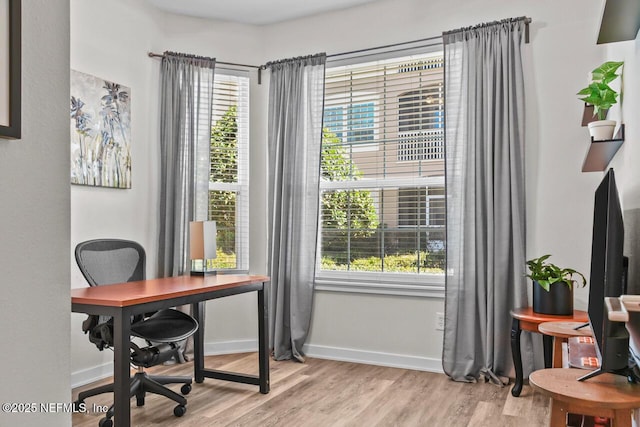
<point x="105" y="422"/>
<point x="185" y="389"/>
<point x="139" y="401"/>
<point x="178" y="411"/>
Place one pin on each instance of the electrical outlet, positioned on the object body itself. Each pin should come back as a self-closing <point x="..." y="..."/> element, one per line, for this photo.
<point x="439" y="321"/>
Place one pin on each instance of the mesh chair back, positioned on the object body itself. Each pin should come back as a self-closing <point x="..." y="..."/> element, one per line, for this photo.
<point x="108" y="261"/>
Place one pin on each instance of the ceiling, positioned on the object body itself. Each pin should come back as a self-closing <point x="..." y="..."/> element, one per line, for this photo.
<point x="255" y="12"/>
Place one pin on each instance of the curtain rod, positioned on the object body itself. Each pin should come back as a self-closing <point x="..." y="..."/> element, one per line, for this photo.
<point x="159" y="55"/>
<point x="258" y="67"/>
<point x="395" y="50"/>
<point x="369" y="49"/>
<point x="526" y="20"/>
<point x="384" y="47"/>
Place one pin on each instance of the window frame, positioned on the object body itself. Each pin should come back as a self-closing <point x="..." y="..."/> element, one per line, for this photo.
<point x="431" y="285"/>
<point x="387" y="283"/>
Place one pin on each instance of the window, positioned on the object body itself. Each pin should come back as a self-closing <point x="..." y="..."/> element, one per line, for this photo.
<point x="352" y="123"/>
<point x="421" y="127"/>
<point x="229" y="176"/>
<point x="382" y="173"/>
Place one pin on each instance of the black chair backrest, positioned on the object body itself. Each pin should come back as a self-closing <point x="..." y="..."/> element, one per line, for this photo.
<point x="108" y="261"/>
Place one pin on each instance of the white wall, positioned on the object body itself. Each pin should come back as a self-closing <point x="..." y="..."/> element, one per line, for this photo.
<point x="385" y="329"/>
<point x="116" y="52"/>
<point x="626" y="161"/>
<point x="34" y="213"/>
<point x="128" y="30"/>
<point x="560" y="196"/>
<point x="561" y="52"/>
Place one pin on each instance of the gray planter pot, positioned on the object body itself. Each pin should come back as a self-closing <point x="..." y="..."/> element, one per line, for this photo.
<point x="558" y="301"/>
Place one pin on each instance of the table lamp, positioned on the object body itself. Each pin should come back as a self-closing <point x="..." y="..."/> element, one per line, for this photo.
<point x="202" y="247"/>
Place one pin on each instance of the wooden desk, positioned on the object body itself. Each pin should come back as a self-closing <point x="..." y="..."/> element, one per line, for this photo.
<point x="123" y="300"/>
<point x="606" y="395"/>
<point x="525" y="319"/>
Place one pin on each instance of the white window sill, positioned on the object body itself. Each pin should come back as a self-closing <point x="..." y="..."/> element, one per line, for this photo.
<point x="429" y="289"/>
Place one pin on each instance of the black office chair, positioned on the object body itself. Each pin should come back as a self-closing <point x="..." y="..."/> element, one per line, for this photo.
<point x="108" y="261"/>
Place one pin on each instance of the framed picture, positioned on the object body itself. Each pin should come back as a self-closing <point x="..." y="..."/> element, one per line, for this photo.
<point x="100" y="132"/>
<point x="10" y="57"/>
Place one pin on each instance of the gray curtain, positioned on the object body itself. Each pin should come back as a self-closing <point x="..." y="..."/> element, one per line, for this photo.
<point x="186" y="92"/>
<point x="185" y="130"/>
<point x="296" y="95"/>
<point x="484" y="142"/>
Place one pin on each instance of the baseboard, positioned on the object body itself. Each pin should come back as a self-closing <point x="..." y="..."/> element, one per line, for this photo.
<point x="86" y="376"/>
<point x="374" y="358"/>
<point x="96" y="373"/>
<point x="228" y="347"/>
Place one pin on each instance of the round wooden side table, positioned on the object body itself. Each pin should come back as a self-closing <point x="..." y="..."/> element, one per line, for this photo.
<point x="606" y="395"/>
<point x="561" y="331"/>
<point x="525" y="319"/>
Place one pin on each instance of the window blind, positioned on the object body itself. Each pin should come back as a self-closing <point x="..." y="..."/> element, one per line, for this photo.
<point x="382" y="186"/>
<point x="229" y="173"/>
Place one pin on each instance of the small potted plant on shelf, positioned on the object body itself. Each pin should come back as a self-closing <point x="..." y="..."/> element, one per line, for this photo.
<point x="602" y="97"/>
<point x="552" y="286"/>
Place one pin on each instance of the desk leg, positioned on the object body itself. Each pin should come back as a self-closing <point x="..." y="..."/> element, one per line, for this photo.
<point x="121" y="370"/>
<point x="263" y="341"/>
<point x="517" y="357"/>
<point x="198" y="342"/>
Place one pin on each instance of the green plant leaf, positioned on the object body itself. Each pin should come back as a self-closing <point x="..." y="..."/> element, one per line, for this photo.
<point x="606" y="71"/>
<point x="544" y="284"/>
<point x="599" y="93"/>
<point x="585" y="91"/>
<point x="545" y="274"/>
<point x="601" y="112"/>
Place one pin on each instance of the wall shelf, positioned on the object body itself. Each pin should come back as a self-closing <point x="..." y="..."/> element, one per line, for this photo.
<point x="601" y="152"/>
<point x="620" y="21"/>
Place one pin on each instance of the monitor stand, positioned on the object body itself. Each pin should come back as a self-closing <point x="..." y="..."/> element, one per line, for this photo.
<point x="584" y="325"/>
<point x="592" y="374"/>
<point x="625" y="372"/>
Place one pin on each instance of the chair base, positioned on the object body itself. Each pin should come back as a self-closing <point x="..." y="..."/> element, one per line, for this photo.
<point x="140" y="385"/>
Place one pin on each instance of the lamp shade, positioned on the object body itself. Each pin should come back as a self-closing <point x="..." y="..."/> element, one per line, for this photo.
<point x="202" y="243"/>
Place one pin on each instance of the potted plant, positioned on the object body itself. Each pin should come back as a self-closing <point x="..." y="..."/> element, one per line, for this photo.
<point x="552" y="286"/>
<point x="602" y="97"/>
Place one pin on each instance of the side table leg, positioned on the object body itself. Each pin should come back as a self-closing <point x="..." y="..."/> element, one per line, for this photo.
<point x="547" y="344"/>
<point x="558" y="414"/>
<point x="621" y="418"/>
<point x="517" y="357"/>
<point x="557" y="352"/>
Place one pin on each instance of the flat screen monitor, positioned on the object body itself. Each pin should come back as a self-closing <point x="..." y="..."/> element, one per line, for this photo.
<point x="607" y="278"/>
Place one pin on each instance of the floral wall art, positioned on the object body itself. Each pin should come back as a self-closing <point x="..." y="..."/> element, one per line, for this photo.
<point x="100" y="132"/>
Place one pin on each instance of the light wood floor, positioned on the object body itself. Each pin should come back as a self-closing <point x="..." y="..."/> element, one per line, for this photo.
<point x="328" y="393"/>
